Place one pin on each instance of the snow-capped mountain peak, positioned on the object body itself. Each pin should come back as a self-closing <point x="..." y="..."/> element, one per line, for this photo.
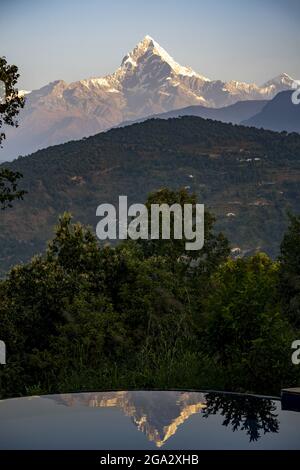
<point x="148" y="47"/>
<point x="281" y="80"/>
<point x="149" y="81"/>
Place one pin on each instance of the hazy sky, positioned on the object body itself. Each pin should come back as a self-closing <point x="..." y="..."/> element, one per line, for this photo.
<point x="252" y="40"/>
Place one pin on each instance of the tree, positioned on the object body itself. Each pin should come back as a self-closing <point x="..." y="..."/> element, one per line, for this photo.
<point x="10" y="105"/>
<point x="243" y="328"/>
<point x="214" y="251"/>
<point x="9" y="187"/>
<point x="54" y="308"/>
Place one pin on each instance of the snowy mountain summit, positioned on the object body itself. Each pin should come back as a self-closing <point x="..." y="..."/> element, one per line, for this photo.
<point x="149" y="81"/>
<point x="147" y="49"/>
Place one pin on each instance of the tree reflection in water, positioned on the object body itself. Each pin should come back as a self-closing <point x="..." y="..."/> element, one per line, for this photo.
<point x="253" y="415"/>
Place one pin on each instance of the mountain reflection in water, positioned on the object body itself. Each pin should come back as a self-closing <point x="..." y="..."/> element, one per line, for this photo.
<point x="159" y="414"/>
<point x="156" y="414"/>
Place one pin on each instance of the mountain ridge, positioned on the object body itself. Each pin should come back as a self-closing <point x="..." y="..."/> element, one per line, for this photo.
<point x="234" y="113"/>
<point x="279" y="114"/>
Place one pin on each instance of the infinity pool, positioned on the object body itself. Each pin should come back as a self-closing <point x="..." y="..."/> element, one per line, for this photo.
<point x="147" y="420"/>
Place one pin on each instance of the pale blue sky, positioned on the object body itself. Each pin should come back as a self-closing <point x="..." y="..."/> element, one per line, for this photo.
<point x="222" y="39"/>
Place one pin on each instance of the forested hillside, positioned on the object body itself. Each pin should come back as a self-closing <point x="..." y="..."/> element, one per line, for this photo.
<point x="248" y="178"/>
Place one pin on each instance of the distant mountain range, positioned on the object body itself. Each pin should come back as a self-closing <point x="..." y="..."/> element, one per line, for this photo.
<point x="280" y="114"/>
<point x="148" y="82"/>
<point x="234" y="113"/>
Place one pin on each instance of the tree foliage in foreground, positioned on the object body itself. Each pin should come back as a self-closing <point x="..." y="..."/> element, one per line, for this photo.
<point x="84" y="316"/>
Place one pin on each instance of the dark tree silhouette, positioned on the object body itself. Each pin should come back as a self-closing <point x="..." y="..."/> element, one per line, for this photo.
<point x="253" y="415"/>
<point x="10" y="105"/>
